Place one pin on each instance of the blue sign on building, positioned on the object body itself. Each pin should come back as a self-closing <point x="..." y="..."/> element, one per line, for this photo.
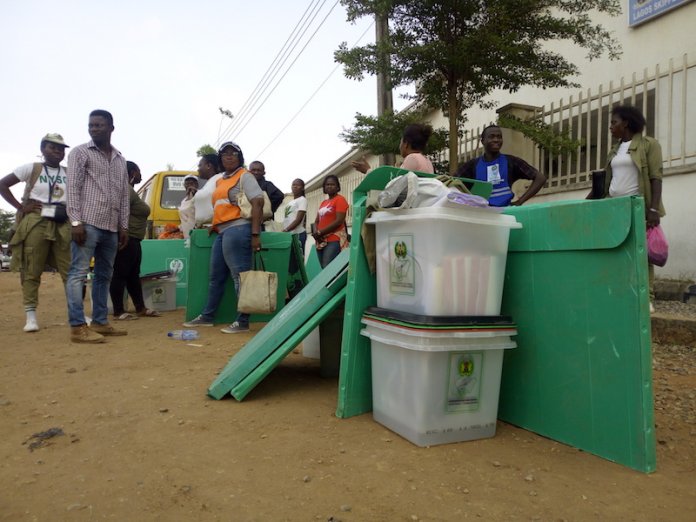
<point x="640" y="11"/>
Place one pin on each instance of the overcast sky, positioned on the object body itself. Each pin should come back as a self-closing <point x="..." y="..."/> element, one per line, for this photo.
<point x="163" y="68"/>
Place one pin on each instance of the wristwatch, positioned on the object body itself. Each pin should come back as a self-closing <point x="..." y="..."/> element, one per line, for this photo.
<point x="76" y="223"/>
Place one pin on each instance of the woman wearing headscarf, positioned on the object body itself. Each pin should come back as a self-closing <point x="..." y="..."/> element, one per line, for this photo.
<point x="238" y="238"/>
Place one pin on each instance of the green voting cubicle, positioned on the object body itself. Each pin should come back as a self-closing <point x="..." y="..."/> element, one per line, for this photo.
<point x="576" y="285"/>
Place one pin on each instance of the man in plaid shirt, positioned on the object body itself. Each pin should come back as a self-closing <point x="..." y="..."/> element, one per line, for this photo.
<point x="98" y="208"/>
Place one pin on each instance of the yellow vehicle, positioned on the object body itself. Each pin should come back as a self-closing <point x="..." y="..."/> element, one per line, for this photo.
<point x="164" y="192"/>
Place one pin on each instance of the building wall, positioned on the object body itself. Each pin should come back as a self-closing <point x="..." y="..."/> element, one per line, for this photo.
<point x="657" y="41"/>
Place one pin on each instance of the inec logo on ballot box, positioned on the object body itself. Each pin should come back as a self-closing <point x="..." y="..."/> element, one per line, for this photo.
<point x="464" y="383"/>
<point x="401" y="277"/>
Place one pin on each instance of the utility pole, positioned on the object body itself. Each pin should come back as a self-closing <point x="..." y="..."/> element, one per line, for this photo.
<point x="385" y="102"/>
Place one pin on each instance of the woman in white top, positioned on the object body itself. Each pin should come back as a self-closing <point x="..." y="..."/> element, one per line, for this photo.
<point x="295" y="213"/>
<point x="43" y="235"/>
<point x="187" y="211"/>
<point x="634" y="168"/>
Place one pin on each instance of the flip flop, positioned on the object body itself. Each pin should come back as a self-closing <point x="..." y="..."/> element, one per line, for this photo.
<point x="149" y="313"/>
<point x="126" y="317"/>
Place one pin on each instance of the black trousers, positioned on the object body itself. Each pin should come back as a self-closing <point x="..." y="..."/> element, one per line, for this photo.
<point x="127" y="276"/>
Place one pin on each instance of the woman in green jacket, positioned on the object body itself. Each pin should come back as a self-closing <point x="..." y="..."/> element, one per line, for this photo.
<point x="634" y="167"/>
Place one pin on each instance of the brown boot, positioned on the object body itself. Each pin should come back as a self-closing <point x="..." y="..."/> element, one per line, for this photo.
<point x="106" y="329"/>
<point x="82" y="334"/>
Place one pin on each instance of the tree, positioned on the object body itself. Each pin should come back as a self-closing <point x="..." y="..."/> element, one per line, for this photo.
<point x="7" y="220"/>
<point x="382" y="134"/>
<point x="205" y="149"/>
<point x="458" y="51"/>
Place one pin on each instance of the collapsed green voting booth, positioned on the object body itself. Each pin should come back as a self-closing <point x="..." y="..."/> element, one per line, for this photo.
<point x="161" y="255"/>
<point x="576" y="285"/>
<point x="277" y="248"/>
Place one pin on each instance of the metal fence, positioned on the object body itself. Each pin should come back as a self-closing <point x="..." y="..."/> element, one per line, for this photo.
<point x="666" y="97"/>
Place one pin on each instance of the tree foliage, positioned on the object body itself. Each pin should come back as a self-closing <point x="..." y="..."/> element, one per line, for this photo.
<point x="382" y="134"/>
<point x="458" y="51"/>
<point x="544" y="135"/>
<point x="205" y="149"/>
<point x="7" y="219"/>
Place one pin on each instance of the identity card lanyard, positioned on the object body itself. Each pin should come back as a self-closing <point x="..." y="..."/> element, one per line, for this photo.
<point x="49" y="211"/>
<point x="51" y="182"/>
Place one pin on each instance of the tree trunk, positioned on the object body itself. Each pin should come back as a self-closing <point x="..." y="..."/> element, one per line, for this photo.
<point x="384" y="91"/>
<point x="453" y="128"/>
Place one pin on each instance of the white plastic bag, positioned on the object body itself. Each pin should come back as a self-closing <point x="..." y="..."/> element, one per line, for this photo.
<point x="399" y="192"/>
<point x="203" y="201"/>
<point x="430" y="191"/>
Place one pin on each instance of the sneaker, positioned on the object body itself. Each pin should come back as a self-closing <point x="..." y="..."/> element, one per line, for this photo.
<point x="235" y="328"/>
<point x="198" y="321"/>
<point x="106" y="329"/>
<point x="83" y="334"/>
<point x="31" y="326"/>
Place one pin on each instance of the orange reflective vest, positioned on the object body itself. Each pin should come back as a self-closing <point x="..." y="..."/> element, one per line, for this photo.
<point x="223" y="209"/>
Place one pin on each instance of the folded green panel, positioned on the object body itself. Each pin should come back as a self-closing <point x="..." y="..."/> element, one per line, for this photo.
<point x="160" y="255"/>
<point x="576" y="285"/>
<point x="312" y="265"/>
<point x="254" y="377"/>
<point x="300" y="310"/>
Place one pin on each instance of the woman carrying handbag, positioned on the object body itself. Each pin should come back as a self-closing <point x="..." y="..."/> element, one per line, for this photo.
<point x="238" y="237"/>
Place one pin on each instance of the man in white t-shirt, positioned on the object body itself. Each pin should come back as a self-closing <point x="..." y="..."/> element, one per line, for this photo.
<point x="43" y="232"/>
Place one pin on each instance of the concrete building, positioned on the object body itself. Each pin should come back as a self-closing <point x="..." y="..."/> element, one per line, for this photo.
<point x="656" y="72"/>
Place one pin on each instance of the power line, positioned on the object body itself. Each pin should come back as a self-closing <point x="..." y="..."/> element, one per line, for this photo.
<point x="278" y="62"/>
<point x="240" y="124"/>
<point x="275" y="66"/>
<point x="310" y="98"/>
<point x="287" y="70"/>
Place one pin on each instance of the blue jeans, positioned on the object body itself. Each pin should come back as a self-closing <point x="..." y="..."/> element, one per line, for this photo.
<point x="102" y="245"/>
<point x="329" y="253"/>
<point x="302" y="237"/>
<point x="230" y="255"/>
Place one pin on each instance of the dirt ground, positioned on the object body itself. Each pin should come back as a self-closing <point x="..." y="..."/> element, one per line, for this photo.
<point x="142" y="441"/>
